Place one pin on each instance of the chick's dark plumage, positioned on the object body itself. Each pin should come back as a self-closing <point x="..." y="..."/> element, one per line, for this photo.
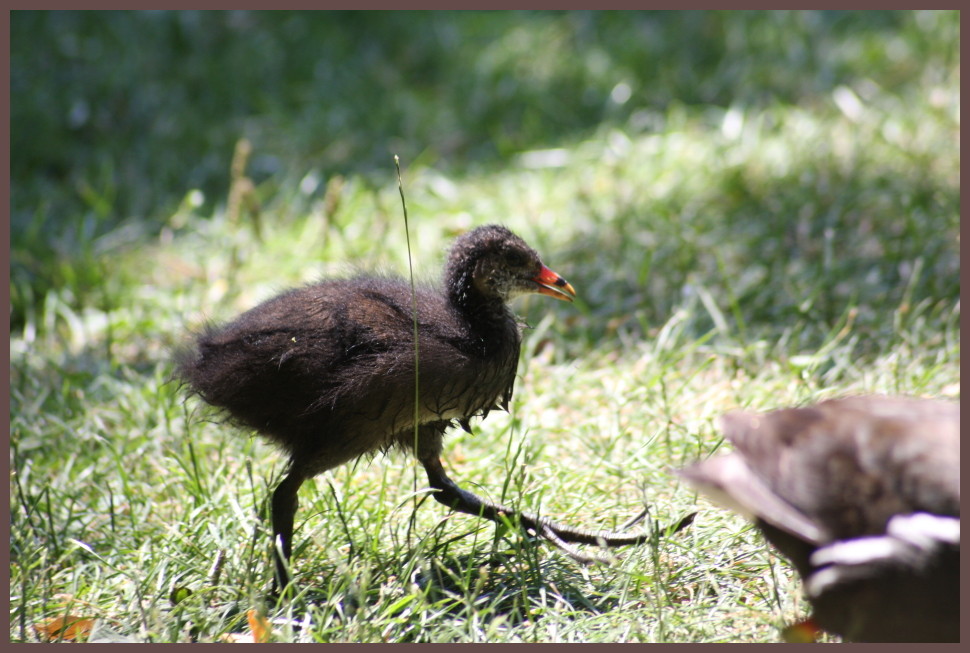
<point x="327" y="371"/>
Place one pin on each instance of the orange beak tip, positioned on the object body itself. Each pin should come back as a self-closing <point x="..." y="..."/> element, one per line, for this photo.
<point x="551" y="284"/>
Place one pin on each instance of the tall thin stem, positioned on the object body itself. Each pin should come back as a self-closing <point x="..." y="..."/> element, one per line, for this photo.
<point x="414" y="299"/>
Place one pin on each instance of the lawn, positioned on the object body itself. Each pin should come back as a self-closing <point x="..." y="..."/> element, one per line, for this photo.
<point x="756" y="210"/>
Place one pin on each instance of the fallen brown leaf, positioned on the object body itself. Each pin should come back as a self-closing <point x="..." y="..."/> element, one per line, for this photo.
<point x="69" y="628"/>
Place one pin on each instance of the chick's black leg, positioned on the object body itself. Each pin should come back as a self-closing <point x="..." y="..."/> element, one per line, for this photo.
<point x="461" y="500"/>
<point x="284" y="510"/>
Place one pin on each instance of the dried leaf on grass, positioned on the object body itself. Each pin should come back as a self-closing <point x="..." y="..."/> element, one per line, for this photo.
<point x="67" y="628"/>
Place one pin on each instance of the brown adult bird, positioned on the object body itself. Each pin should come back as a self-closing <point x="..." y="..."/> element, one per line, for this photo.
<point x="862" y="494"/>
<point x="327" y="372"/>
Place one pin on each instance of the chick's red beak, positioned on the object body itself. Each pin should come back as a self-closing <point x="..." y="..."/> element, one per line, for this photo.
<point x="550" y="283"/>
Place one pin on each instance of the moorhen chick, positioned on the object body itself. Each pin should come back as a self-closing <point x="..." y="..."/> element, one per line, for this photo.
<point x="862" y="494"/>
<point x="327" y="372"/>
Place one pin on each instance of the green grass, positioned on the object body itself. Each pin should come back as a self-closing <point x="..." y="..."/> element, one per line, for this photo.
<point x="771" y="218"/>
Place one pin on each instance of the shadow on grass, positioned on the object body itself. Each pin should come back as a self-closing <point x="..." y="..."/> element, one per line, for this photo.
<point x="755" y="256"/>
<point x="483" y="590"/>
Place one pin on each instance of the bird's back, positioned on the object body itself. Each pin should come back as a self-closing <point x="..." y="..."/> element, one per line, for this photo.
<point x="841" y="472"/>
<point x="853" y="463"/>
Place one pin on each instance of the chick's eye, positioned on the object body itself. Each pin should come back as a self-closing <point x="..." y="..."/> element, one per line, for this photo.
<point x="515" y="259"/>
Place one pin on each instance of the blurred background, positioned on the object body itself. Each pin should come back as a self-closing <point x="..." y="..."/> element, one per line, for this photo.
<point x="117" y="116"/>
<point x="756" y="209"/>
